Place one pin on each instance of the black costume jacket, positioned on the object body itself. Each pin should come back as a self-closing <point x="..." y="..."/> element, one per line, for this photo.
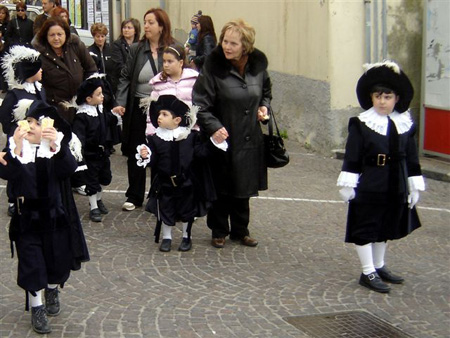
<point x="182" y="186"/>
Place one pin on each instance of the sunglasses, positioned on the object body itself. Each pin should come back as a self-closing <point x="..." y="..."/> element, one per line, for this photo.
<point x="21" y="10"/>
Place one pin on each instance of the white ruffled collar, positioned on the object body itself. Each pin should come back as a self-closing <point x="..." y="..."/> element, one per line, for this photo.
<point x="379" y="123"/>
<point x="177" y="134"/>
<point x="30" y="87"/>
<point x="89" y="110"/>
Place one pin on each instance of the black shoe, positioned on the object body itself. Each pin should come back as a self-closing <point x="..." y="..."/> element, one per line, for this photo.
<point x="165" y="245"/>
<point x="95" y="215"/>
<point x="11" y="210"/>
<point x="185" y="245"/>
<point x="386" y="275"/>
<point x="39" y="320"/>
<point x="373" y="282"/>
<point x="52" y="302"/>
<point x="102" y="207"/>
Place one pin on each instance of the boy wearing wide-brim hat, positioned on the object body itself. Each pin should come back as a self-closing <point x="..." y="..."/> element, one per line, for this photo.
<point x="179" y="192"/>
<point x="92" y="124"/>
<point x="38" y="162"/>
<point x="22" y="72"/>
<point x="381" y="176"/>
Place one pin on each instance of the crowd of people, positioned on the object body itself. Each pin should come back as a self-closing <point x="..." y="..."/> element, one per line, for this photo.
<point x="193" y="114"/>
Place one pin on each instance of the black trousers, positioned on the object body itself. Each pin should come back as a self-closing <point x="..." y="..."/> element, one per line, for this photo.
<point x="136" y="175"/>
<point x="229" y="216"/>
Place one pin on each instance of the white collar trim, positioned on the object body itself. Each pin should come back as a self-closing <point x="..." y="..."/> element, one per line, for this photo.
<point x="30" y="87"/>
<point x="177" y="134"/>
<point x="379" y="123"/>
<point x="89" y="110"/>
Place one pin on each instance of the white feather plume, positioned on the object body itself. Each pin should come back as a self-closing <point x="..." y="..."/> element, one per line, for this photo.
<point x="16" y="54"/>
<point x="70" y="104"/>
<point x="75" y="147"/>
<point x="96" y="76"/>
<point x="385" y="63"/>
<point x="21" y="108"/>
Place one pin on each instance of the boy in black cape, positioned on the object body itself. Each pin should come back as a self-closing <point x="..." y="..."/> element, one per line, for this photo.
<point x="181" y="187"/>
<point x="45" y="226"/>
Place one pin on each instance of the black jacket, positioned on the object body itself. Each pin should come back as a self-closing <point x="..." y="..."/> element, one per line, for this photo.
<point x="204" y="48"/>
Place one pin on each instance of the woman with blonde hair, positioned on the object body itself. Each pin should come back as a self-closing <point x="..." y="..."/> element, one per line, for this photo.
<point x="233" y="92"/>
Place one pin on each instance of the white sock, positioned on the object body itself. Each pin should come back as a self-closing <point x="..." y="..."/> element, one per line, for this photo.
<point x="93" y="201"/>
<point x="52" y="286"/>
<point x="379" y="250"/>
<point x="36" y="301"/>
<point x="185" y="226"/>
<point x="365" y="257"/>
<point x="167" y="231"/>
<point x="99" y="195"/>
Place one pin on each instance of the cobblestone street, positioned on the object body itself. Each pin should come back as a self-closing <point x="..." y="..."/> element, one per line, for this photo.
<point x="300" y="267"/>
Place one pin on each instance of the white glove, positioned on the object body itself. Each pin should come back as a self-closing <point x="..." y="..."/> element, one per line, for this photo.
<point x="413" y="198"/>
<point x="347" y="193"/>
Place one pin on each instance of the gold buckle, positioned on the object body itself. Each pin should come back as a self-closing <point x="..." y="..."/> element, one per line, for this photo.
<point x="381" y="160"/>
<point x="172" y="178"/>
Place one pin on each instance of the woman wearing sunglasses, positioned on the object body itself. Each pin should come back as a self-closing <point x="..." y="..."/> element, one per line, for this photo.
<point x="20" y="28"/>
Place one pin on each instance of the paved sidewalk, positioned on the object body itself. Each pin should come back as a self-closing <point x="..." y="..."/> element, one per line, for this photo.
<point x="301" y="267"/>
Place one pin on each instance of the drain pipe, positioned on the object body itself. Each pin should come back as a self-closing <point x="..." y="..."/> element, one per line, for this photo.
<point x="368" y="40"/>
<point x="375" y="31"/>
<point x="384" y="30"/>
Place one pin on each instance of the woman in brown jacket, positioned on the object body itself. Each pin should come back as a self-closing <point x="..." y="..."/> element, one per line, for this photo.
<point x="65" y="63"/>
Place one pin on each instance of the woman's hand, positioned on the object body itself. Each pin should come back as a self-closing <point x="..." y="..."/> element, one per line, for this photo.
<point x="119" y="110"/>
<point x="263" y="113"/>
<point x="220" y="135"/>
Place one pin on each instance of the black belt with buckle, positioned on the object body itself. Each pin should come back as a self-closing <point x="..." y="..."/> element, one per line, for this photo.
<point x="380" y="160"/>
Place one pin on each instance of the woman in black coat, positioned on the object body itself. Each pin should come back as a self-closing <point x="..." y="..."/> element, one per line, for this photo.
<point x="206" y="41"/>
<point x="20" y="28"/>
<point x="234" y="93"/>
<point x="143" y="63"/>
<point x="130" y="31"/>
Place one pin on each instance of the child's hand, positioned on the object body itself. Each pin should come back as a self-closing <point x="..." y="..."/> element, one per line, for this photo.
<point x="50" y="134"/>
<point x="2" y="160"/>
<point x="413" y="198"/>
<point x="19" y="136"/>
<point x="347" y="193"/>
<point x="144" y="152"/>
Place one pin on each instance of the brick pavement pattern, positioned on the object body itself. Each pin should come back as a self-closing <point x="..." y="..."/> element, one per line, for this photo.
<point x="301" y="267"/>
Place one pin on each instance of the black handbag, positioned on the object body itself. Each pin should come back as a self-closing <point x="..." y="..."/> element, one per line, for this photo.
<point x="274" y="149"/>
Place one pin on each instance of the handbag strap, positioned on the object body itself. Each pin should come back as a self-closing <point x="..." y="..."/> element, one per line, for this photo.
<point x="271" y="123"/>
<point x="152" y="62"/>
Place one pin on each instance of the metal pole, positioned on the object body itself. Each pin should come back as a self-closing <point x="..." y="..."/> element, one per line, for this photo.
<point x="368" y="40"/>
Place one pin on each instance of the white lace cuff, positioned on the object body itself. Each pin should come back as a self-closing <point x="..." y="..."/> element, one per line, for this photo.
<point x="27" y="154"/>
<point x="347" y="179"/>
<point x="142" y="162"/>
<point x="416" y="183"/>
<point x="222" y="146"/>
<point x="44" y="150"/>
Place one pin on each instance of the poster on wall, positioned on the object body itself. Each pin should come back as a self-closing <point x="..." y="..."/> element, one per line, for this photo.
<point x="435" y="111"/>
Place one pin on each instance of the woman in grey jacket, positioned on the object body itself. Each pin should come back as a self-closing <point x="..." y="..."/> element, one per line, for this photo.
<point x="143" y="63"/>
<point x="234" y="93"/>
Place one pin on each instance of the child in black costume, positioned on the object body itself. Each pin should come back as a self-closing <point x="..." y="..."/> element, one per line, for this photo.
<point x="38" y="162"/>
<point x="23" y="73"/>
<point x="91" y="124"/>
<point x="174" y="153"/>
<point x="381" y="175"/>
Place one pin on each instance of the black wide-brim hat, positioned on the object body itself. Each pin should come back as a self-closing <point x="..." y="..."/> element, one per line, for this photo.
<point x="172" y="104"/>
<point x="387" y="74"/>
<point x="87" y="88"/>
